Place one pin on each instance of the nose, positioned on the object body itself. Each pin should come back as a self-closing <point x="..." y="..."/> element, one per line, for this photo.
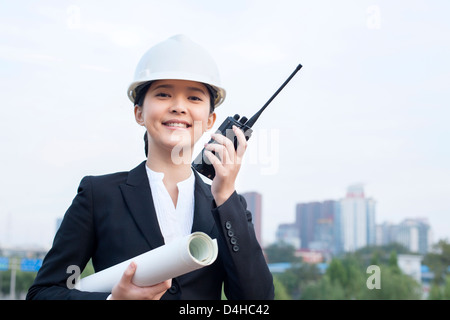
<point x="178" y="106"/>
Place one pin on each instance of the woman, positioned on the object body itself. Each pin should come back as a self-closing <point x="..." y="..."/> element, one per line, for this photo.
<point x="118" y="216"/>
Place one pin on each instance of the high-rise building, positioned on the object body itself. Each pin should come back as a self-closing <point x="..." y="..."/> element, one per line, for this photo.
<point x="254" y="204"/>
<point x="385" y="233"/>
<point x="288" y="233"/>
<point x="305" y="216"/>
<point x="316" y="222"/>
<point x="414" y="234"/>
<point x="371" y="224"/>
<point x="357" y="219"/>
<point x="348" y="224"/>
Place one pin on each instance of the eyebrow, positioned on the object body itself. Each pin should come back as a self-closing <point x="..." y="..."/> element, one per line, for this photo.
<point x="169" y="86"/>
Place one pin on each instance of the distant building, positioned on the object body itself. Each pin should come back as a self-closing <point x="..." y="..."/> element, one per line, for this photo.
<point x="317" y="224"/>
<point x="331" y="226"/>
<point x="414" y="234"/>
<point x="305" y="219"/>
<point x="357" y="219"/>
<point x="371" y="225"/>
<point x="254" y="204"/>
<point x="288" y="233"/>
<point x="348" y="224"/>
<point x="411" y="265"/>
<point x="385" y="233"/>
<point x="310" y="256"/>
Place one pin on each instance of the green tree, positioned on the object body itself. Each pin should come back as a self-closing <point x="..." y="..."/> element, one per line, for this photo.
<point x="343" y="279"/>
<point x="393" y="262"/>
<point x="355" y="276"/>
<point x="336" y="272"/>
<point x="376" y="258"/>
<point x="439" y="261"/>
<point x="346" y="278"/>
<point x="280" y="252"/>
<point x="280" y="290"/>
<point x="435" y="292"/>
<point x="394" y="286"/>
<point x="24" y="280"/>
<point x="446" y="291"/>
<point x="298" y="277"/>
<point x="440" y="292"/>
<point x="378" y="255"/>
<point x="325" y="289"/>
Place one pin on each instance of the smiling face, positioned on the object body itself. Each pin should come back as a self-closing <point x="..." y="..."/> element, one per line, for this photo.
<point x="176" y="113"/>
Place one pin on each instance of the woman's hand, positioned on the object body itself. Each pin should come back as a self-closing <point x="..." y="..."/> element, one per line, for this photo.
<point x="227" y="165"/>
<point x="126" y="290"/>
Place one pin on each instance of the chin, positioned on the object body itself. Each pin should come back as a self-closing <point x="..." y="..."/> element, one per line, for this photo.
<point x="181" y="143"/>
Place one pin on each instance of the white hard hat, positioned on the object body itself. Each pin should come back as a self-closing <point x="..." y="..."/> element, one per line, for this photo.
<point x="177" y="58"/>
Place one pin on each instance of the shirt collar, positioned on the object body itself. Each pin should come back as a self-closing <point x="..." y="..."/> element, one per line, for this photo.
<point x="153" y="175"/>
<point x="159" y="176"/>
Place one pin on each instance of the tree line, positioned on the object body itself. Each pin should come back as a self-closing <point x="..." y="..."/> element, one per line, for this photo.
<point x="347" y="277"/>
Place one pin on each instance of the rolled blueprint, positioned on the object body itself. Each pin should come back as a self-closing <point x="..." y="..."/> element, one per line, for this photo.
<point x="176" y="258"/>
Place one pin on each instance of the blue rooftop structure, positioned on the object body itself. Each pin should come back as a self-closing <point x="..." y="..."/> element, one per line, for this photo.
<point x="280" y="267"/>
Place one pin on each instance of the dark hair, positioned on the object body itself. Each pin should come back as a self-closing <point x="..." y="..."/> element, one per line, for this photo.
<point x="141" y="92"/>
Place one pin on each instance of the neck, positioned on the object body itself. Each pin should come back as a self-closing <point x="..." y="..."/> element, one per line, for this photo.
<point x="175" y="168"/>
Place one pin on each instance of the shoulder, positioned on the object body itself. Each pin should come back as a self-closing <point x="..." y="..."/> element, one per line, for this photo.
<point x="136" y="175"/>
<point x="110" y="178"/>
<point x="105" y="187"/>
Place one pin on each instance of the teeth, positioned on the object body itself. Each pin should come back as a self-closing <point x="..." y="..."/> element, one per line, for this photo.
<point x="174" y="124"/>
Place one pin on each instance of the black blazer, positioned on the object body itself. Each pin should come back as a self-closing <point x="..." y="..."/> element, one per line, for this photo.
<point x="112" y="218"/>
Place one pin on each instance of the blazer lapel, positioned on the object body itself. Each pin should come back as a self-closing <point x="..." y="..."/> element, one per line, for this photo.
<point x="138" y="197"/>
<point x="203" y="219"/>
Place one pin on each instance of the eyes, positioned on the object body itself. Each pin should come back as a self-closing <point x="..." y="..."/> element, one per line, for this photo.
<point x="166" y="95"/>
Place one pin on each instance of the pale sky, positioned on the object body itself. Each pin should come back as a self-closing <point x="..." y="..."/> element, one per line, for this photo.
<point x="370" y="105"/>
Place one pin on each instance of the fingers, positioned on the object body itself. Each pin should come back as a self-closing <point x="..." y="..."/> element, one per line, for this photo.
<point x="221" y="152"/>
<point x="224" y="147"/>
<point x="125" y="289"/>
<point x="242" y="142"/>
<point x="128" y="273"/>
<point x="122" y="288"/>
<point x="216" y="163"/>
<point x="162" y="288"/>
<point x="227" y="163"/>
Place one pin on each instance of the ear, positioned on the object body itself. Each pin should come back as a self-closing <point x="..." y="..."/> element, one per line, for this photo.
<point x="211" y="121"/>
<point x="139" y="114"/>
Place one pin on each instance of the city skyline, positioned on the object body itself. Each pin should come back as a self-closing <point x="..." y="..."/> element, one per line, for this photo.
<point x="254" y="201"/>
<point x="377" y="220"/>
<point x="334" y="226"/>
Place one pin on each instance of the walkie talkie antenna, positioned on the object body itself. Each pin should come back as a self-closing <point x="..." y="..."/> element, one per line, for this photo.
<point x="253" y="119"/>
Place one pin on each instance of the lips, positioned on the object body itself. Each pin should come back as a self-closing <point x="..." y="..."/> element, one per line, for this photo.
<point x="175" y="123"/>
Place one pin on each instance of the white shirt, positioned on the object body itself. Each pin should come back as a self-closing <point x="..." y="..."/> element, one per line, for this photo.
<point x="173" y="222"/>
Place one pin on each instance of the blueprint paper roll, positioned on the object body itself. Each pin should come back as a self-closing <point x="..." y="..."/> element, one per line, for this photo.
<point x="176" y="258"/>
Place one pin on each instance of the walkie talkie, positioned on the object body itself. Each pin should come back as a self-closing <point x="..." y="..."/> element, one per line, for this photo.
<point x="202" y="164"/>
